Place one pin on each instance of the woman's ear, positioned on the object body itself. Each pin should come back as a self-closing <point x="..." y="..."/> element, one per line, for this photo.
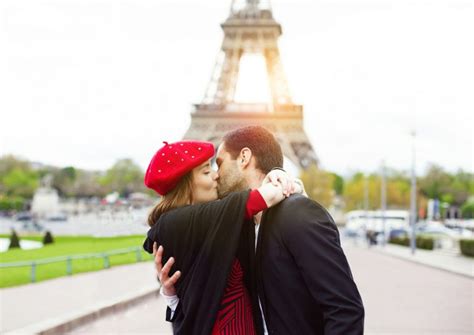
<point x="244" y="157"/>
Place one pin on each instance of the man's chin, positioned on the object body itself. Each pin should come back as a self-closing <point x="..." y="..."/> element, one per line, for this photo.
<point x="221" y="195"/>
<point x="222" y="192"/>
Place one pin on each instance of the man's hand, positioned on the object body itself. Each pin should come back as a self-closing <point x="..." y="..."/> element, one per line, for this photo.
<point x="167" y="282"/>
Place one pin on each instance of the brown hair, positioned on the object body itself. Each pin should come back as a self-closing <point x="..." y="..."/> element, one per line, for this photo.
<point x="260" y="141"/>
<point x="179" y="196"/>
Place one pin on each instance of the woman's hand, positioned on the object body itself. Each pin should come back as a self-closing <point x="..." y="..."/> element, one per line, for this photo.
<point x="280" y="177"/>
<point x="167" y="283"/>
<point x="271" y="193"/>
<point x="299" y="187"/>
<point x="277" y="185"/>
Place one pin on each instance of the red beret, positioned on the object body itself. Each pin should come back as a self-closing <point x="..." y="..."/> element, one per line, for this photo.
<point x="173" y="161"/>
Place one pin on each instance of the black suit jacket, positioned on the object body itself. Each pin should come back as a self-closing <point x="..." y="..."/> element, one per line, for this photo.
<point x="304" y="281"/>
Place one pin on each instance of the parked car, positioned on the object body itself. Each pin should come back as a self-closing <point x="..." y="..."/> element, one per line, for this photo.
<point x="24" y="216"/>
<point x="395" y="233"/>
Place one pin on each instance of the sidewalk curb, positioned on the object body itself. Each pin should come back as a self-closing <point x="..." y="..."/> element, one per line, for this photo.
<point x="433" y="266"/>
<point x="67" y="322"/>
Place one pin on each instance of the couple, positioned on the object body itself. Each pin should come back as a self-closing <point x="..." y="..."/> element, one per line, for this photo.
<point x="235" y="272"/>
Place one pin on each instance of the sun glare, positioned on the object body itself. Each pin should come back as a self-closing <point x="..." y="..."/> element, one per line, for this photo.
<point x="252" y="83"/>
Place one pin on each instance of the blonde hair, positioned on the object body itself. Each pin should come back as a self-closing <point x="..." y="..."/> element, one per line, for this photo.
<point x="179" y="196"/>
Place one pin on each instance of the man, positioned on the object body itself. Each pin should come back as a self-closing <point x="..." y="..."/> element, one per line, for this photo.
<point x="303" y="280"/>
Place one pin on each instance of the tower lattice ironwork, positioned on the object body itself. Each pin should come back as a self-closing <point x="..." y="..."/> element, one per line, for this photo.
<point x="251" y="28"/>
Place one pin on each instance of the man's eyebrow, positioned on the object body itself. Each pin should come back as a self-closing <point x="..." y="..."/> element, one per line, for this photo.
<point x="218" y="161"/>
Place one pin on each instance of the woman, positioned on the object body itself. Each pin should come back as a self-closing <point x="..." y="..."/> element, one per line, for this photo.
<point x="208" y="238"/>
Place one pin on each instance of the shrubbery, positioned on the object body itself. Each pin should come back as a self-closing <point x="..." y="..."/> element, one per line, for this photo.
<point x="48" y="238"/>
<point x="467" y="247"/>
<point x="14" y="240"/>
<point x="400" y="241"/>
<point x="422" y="242"/>
<point x="11" y="203"/>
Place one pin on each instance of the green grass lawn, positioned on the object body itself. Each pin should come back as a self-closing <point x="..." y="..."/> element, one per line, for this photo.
<point x="67" y="246"/>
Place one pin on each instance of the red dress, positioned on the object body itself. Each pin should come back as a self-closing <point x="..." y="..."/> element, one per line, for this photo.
<point x="235" y="312"/>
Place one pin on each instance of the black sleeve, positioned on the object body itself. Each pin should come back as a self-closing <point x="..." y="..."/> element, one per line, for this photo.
<point x="313" y="240"/>
<point x="198" y="222"/>
<point x="203" y="240"/>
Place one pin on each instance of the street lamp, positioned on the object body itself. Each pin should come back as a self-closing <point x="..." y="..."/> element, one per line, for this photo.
<point x="383" y="200"/>
<point x="413" y="196"/>
<point x="366" y="205"/>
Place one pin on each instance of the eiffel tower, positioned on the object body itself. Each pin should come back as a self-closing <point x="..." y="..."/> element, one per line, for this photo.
<point x="251" y="29"/>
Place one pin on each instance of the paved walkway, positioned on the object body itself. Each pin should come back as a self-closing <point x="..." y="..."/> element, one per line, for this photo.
<point x="400" y="297"/>
<point x="35" y="306"/>
<point x="444" y="259"/>
<point x="404" y="297"/>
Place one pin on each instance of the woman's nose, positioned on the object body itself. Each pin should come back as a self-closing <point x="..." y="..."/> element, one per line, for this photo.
<point x="216" y="176"/>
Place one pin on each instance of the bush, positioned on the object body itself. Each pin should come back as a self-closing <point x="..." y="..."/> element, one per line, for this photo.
<point x="11" y="203"/>
<point x="467" y="247"/>
<point x="425" y="242"/>
<point x="48" y="238"/>
<point x="405" y="241"/>
<point x="422" y="242"/>
<point x="467" y="209"/>
<point x="14" y="240"/>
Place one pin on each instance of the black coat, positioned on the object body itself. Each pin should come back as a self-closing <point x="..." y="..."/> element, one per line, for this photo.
<point x="204" y="239"/>
<point x="304" y="281"/>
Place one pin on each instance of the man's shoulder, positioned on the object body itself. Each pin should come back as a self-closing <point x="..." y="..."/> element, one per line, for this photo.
<point x="299" y="205"/>
<point x="298" y="216"/>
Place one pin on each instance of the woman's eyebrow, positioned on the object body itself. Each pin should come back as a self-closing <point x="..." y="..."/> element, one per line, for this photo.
<point x="205" y="166"/>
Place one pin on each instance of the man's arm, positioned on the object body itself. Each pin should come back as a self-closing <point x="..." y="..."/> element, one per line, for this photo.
<point x="313" y="240"/>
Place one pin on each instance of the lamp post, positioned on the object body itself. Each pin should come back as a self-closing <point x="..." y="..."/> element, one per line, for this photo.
<point x="383" y="202"/>
<point x="366" y="206"/>
<point x="413" y="197"/>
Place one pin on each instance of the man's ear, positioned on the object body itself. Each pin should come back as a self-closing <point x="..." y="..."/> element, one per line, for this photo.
<point x="244" y="157"/>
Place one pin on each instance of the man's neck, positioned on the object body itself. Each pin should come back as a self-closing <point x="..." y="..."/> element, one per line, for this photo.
<point x="254" y="179"/>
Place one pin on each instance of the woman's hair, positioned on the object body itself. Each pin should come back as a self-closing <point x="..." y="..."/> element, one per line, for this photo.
<point x="179" y="196"/>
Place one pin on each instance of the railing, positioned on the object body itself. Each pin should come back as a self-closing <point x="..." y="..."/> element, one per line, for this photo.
<point x="68" y="259"/>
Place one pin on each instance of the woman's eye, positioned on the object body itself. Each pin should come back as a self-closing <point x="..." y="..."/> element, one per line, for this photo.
<point x="207" y="172"/>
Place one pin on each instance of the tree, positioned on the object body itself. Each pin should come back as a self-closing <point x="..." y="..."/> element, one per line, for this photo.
<point x="18" y="182"/>
<point x="397" y="186"/>
<point x="17" y="178"/>
<point x="89" y="184"/>
<point x="435" y="183"/>
<point x="63" y="180"/>
<point x="467" y="209"/>
<point x="124" y="177"/>
<point x="454" y="189"/>
<point x="318" y="184"/>
<point x="338" y="184"/>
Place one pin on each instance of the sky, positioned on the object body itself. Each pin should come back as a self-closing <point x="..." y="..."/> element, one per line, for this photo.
<point x="85" y="83"/>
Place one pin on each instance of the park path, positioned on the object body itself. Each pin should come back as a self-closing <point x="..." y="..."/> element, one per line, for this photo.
<point x="400" y="297"/>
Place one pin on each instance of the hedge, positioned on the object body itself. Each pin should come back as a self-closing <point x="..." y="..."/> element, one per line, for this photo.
<point x="422" y="242"/>
<point x="467" y="247"/>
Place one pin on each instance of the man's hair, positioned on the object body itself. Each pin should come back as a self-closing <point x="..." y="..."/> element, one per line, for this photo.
<point x="260" y="141"/>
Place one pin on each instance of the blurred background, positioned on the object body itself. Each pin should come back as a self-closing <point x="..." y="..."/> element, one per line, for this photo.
<point x="371" y="100"/>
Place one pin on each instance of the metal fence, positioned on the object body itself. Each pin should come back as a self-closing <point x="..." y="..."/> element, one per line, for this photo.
<point x="69" y="260"/>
